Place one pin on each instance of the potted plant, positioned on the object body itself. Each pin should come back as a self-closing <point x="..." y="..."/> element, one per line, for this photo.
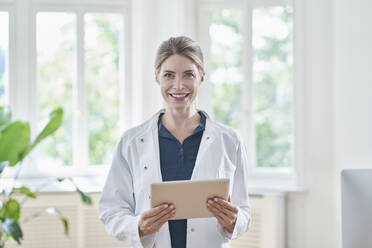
<point x="15" y="145"/>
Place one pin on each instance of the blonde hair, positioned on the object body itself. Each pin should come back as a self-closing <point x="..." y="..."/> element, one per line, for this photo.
<point x="180" y="45"/>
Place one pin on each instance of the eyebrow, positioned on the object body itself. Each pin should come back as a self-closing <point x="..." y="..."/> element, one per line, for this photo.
<point x="183" y="72"/>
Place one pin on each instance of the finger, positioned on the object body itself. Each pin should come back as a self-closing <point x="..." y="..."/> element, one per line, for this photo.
<point x="165" y="217"/>
<point x="229" y="199"/>
<point x="230" y="214"/>
<point x="154" y="211"/>
<point x="160" y="215"/>
<point x="225" y="220"/>
<point x="227" y="205"/>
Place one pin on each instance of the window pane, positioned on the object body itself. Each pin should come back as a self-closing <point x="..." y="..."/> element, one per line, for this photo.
<point x="56" y="53"/>
<point x="273" y="85"/>
<point x="102" y="35"/>
<point x="226" y="66"/>
<point x="4" y="57"/>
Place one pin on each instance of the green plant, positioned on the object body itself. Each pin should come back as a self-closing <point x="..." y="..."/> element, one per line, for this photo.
<point x="15" y="145"/>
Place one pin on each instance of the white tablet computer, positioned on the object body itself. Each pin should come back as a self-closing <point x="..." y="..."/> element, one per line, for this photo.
<point x="189" y="197"/>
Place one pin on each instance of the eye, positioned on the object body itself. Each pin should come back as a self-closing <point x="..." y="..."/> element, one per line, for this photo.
<point x="189" y="74"/>
<point x="168" y="75"/>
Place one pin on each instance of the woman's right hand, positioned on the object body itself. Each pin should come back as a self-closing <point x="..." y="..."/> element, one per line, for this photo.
<point x="153" y="219"/>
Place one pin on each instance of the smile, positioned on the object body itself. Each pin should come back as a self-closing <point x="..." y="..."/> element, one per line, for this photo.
<point x="179" y="95"/>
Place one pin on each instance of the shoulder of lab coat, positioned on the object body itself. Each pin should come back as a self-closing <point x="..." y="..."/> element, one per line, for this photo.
<point x="117" y="203"/>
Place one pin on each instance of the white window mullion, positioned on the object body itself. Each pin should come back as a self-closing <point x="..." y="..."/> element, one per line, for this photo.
<point x="125" y="116"/>
<point x="298" y="91"/>
<point x="80" y="133"/>
<point x="205" y="90"/>
<point x="248" y="131"/>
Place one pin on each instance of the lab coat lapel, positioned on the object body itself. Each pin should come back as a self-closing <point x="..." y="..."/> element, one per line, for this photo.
<point x="148" y="151"/>
<point x="202" y="170"/>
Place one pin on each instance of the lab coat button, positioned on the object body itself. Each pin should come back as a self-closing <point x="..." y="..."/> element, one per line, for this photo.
<point x="145" y="167"/>
<point x="192" y="229"/>
<point x="141" y="140"/>
<point x="208" y="138"/>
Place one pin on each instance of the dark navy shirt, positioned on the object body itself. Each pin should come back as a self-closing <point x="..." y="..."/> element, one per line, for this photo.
<point x="177" y="162"/>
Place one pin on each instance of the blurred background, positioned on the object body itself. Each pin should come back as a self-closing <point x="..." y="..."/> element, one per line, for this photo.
<point x="291" y="76"/>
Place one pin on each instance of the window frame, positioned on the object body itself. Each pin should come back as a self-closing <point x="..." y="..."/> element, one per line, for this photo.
<point x="24" y="103"/>
<point x="286" y="178"/>
<point x="5" y="6"/>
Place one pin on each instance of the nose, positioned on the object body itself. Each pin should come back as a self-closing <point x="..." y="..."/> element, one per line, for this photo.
<point x="178" y="84"/>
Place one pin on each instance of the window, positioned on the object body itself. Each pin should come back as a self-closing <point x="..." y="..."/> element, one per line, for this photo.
<point x="86" y="81"/>
<point x="76" y="59"/>
<point x="249" y="49"/>
<point x="4" y="57"/>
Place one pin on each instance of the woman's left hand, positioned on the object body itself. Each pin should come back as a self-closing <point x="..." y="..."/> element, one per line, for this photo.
<point x="224" y="211"/>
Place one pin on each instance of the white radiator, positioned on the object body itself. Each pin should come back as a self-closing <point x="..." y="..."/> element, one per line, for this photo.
<point x="86" y="231"/>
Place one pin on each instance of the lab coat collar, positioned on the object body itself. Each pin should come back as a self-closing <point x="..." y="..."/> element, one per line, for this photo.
<point x="149" y="138"/>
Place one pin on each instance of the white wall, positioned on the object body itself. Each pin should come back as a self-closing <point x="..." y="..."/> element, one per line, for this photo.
<point x="155" y="21"/>
<point x="338" y="116"/>
<point x="352" y="88"/>
<point x="311" y="215"/>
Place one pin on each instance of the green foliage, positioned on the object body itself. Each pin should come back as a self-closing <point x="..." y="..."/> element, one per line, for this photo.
<point x="102" y="76"/>
<point x="226" y="94"/>
<point x="15" y="139"/>
<point x="10" y="210"/>
<point x="102" y="44"/>
<point x="273" y="94"/>
<point x="12" y="229"/>
<point x="15" y="145"/>
<point x="84" y="197"/>
<point x="26" y="191"/>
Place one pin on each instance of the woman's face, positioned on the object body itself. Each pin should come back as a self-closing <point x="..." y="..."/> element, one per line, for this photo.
<point x="179" y="79"/>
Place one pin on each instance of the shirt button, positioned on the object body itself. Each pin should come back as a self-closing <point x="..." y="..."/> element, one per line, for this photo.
<point x="145" y="167"/>
<point x="192" y="229"/>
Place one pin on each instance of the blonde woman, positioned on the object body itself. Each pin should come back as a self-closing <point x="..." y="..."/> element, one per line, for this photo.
<point x="179" y="142"/>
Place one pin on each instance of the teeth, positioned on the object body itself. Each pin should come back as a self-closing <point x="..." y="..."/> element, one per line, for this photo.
<point x="178" y="95"/>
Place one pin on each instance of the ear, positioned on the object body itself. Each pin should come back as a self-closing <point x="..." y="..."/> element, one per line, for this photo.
<point x="156" y="78"/>
<point x="202" y="77"/>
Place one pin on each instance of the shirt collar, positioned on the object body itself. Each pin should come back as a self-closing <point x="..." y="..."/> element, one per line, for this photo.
<point x="163" y="131"/>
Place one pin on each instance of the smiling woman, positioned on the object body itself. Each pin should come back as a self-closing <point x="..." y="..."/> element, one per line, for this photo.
<point x="179" y="142"/>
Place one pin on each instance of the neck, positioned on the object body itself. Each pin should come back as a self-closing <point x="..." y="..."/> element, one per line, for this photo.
<point x="180" y="118"/>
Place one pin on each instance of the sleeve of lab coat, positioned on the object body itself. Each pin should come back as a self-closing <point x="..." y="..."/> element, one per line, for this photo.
<point x="117" y="204"/>
<point x="239" y="196"/>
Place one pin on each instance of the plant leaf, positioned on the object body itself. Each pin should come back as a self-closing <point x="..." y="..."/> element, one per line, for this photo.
<point x="55" y="121"/>
<point x="11" y="210"/>
<point x="26" y="191"/>
<point x="12" y="228"/>
<point x="14" y="141"/>
<point x="5" y="117"/>
<point x="3" y="165"/>
<point x="65" y="224"/>
<point x="55" y="211"/>
<point x="84" y="197"/>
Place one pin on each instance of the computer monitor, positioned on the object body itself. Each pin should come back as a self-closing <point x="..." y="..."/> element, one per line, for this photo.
<point x="356" y="197"/>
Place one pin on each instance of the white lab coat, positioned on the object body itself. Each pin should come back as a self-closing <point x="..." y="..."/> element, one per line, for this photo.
<point x="136" y="164"/>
